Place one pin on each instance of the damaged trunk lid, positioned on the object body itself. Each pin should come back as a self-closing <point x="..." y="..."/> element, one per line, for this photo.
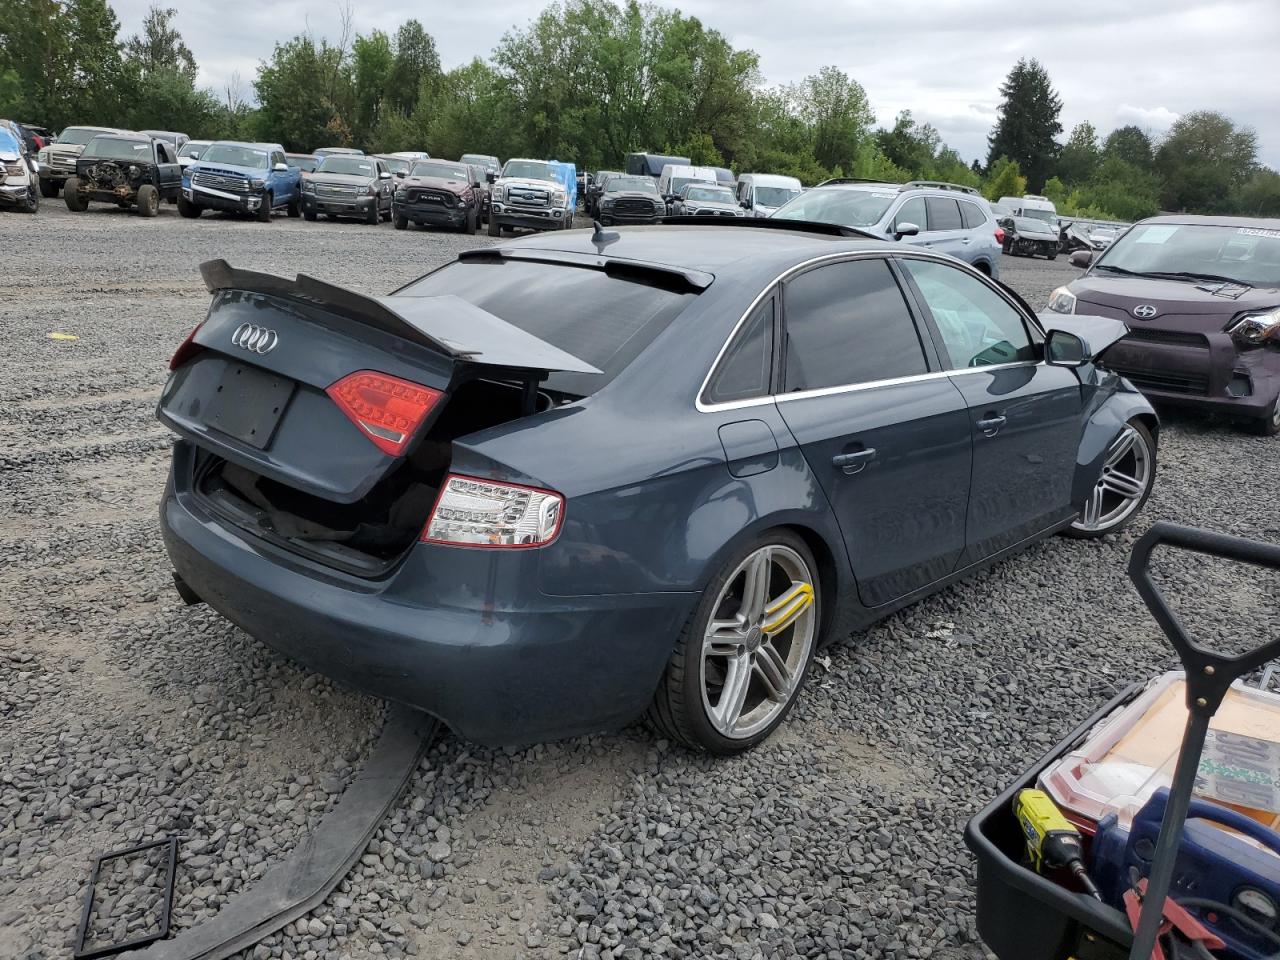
<point x="322" y="416"/>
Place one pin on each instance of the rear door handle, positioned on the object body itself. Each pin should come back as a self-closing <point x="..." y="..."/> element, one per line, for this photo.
<point x="990" y="426"/>
<point x="855" y="462"/>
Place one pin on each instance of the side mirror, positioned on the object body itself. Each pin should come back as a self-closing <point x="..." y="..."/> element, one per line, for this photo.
<point x="193" y="155"/>
<point x="491" y="177"/>
<point x="1062" y="349"/>
<point x="745" y="204"/>
<point x="901" y="230"/>
<point x="384" y="175"/>
<point x="281" y="168"/>
<point x="401" y="174"/>
<point x="1082" y="258"/>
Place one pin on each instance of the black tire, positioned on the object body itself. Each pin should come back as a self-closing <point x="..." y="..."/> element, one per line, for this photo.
<point x="309" y="215"/>
<point x="188" y="209"/>
<point x="400" y="222"/>
<point x="71" y="196"/>
<point x="48" y="188"/>
<point x="32" y="204"/>
<point x="472" y="222"/>
<point x="1268" y="426"/>
<point x="1144" y="435"/>
<point x="264" y="207"/>
<point x="678" y="711"/>
<point x="494" y="229"/>
<point x="373" y="217"/>
<point x="295" y="207"/>
<point x="1053" y="256"/>
<point x="148" y="201"/>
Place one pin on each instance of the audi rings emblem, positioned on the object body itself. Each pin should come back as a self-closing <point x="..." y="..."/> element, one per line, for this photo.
<point x="260" y="340"/>
<point x="1145" y="311"/>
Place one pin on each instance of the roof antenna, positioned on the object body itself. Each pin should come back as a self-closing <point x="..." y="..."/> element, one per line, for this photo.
<point x="601" y="237"/>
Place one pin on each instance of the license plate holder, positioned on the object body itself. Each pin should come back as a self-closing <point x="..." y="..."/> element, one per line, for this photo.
<point x="249" y="403"/>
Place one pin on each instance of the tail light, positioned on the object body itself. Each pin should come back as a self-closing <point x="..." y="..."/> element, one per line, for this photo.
<point x="999" y="234"/>
<point x="387" y="409"/>
<point x="481" y="513"/>
<point x="187" y="349"/>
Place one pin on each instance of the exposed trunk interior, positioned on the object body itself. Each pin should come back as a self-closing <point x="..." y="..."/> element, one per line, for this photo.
<point x="366" y="537"/>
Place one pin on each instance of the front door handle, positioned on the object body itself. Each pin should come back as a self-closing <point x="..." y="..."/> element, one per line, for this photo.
<point x="990" y="426"/>
<point x="855" y="462"/>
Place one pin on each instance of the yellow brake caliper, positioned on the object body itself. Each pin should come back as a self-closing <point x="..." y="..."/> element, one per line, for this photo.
<point x="784" y="611"/>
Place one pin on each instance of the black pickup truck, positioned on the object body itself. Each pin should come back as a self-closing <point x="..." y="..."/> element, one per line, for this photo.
<point x="127" y="169"/>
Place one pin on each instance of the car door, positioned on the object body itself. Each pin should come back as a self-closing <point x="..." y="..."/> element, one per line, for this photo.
<point x="168" y="170"/>
<point x="946" y="226"/>
<point x="1025" y="414"/>
<point x="886" y="434"/>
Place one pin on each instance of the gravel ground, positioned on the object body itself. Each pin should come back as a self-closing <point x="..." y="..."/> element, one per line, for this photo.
<point x="125" y="716"/>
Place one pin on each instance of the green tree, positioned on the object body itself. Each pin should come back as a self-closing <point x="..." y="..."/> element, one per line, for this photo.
<point x="1056" y="191"/>
<point x="472" y="114"/>
<point x="1005" y="179"/>
<point x="1080" y="156"/>
<point x="416" y="68"/>
<point x="1123" y="190"/>
<point x="1027" y="122"/>
<point x="304" y="95"/>
<point x="910" y="146"/>
<point x="160" y="47"/>
<point x="1131" y="145"/>
<point x="1203" y="161"/>
<point x="837" y="109"/>
<point x="1259" y="196"/>
<point x="372" y="61"/>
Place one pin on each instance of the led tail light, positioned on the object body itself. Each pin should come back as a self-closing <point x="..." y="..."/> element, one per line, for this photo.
<point x="481" y="513"/>
<point x="387" y="410"/>
<point x="187" y="349"/>
<point x="999" y="234"/>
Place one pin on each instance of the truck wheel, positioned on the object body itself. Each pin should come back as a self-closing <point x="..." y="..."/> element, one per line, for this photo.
<point x="470" y="225"/>
<point x="71" y="195"/>
<point x="494" y="229"/>
<point x="188" y="209"/>
<point x="148" y="200"/>
<point x="373" y="217"/>
<point x="310" y="216"/>
<point x="264" y="207"/>
<point x="400" y="222"/>
<point x="295" y="207"/>
<point x="32" y="203"/>
<point x="48" y="188"/>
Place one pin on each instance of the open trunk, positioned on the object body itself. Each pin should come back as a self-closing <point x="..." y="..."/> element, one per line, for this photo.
<point x="324" y="419"/>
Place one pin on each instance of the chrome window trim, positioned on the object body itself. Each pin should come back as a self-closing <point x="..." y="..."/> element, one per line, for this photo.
<point x="703" y="407"/>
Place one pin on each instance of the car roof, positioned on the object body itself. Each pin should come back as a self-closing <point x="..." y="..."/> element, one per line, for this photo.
<point x="249" y="143"/>
<point x="765" y="179"/>
<point x="126" y="135"/>
<point x="720" y="250"/>
<point x="1259" y="223"/>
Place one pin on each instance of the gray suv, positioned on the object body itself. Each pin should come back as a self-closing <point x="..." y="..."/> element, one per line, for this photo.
<point x="946" y="217"/>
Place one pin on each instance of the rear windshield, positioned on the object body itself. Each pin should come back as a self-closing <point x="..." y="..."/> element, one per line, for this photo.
<point x="344" y="163"/>
<point x="1247" y="254"/>
<point x="235" y="156"/>
<point x="841" y="206"/>
<point x="602" y="319"/>
<point x="113" y="148"/>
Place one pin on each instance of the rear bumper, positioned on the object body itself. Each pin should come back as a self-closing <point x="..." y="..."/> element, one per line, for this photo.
<point x="1215" y="375"/>
<point x="463" y="634"/>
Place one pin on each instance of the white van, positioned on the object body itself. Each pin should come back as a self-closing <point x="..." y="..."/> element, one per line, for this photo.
<point x="675" y="176"/>
<point x="1031" y="205"/>
<point x="762" y="193"/>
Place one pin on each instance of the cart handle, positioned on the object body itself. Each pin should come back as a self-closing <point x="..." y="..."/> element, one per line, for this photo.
<point x="1209" y="674"/>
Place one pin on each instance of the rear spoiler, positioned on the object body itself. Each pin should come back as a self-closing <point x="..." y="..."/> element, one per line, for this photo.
<point x="447" y="325"/>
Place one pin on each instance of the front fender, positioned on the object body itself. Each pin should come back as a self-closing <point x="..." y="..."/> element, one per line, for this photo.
<point x="1113" y="406"/>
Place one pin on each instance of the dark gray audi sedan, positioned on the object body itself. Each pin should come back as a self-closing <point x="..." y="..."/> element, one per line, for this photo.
<point x="576" y="478"/>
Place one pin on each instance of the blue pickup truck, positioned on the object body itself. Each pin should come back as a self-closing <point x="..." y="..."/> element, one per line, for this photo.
<point x="252" y="178"/>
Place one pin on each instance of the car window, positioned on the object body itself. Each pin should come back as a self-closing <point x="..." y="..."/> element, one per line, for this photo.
<point x="972" y="214"/>
<point x="944" y="213"/>
<point x="911" y="212"/>
<point x="848" y="323"/>
<point x="163" y="154"/>
<point x="978" y="326"/>
<point x="744" y="370"/>
<point x="846" y="207"/>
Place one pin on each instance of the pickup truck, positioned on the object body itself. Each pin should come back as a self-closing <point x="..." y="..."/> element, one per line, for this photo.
<point x="528" y="194"/>
<point x="252" y="178"/>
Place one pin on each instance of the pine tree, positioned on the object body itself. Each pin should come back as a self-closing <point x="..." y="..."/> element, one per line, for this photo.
<point x="1027" y="122"/>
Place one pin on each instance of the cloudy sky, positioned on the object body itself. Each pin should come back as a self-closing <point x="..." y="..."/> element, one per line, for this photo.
<point x="1113" y="63"/>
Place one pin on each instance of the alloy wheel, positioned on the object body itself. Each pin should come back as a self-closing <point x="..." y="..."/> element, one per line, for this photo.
<point x="1121" y="486"/>
<point x="757" y="642"/>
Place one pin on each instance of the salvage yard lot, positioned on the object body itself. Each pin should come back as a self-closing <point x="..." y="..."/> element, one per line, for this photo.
<point x="125" y="716"/>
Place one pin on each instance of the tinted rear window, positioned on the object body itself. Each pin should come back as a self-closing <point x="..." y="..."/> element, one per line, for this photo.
<point x="974" y="215"/>
<point x="944" y="214"/>
<point x="602" y="319"/>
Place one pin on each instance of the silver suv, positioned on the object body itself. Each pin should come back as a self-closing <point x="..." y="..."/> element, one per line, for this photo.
<point x="946" y="217"/>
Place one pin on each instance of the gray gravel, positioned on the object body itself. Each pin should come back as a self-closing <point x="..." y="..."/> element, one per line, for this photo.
<point x="125" y="716"/>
